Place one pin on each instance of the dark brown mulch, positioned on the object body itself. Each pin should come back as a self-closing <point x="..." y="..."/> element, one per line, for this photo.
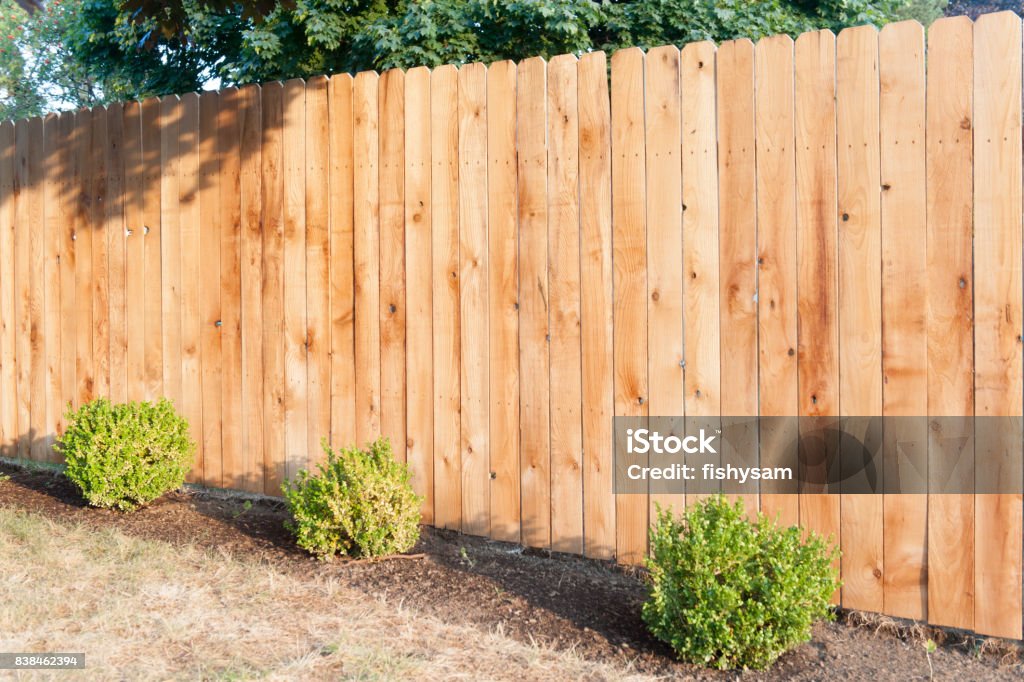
<point x="559" y="600"/>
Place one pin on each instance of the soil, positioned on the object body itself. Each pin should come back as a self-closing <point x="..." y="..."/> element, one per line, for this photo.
<point x="562" y="601"/>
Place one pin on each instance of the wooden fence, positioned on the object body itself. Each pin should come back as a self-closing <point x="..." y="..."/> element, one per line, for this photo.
<point x="487" y="263"/>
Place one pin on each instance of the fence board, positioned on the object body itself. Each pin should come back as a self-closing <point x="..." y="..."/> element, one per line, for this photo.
<point x="998" y="312"/>
<point x="152" y="191"/>
<point x="343" y="396"/>
<point x="534" y="358"/>
<point x="318" y="332"/>
<point x="860" y="309"/>
<point x="949" y="106"/>
<point x="444" y="198"/>
<point x="54" y="149"/>
<point x="473" y="268"/>
<point x="8" y="286"/>
<point x="367" y="256"/>
<point x="251" y="274"/>
<point x="83" y="247"/>
<point x="23" y="282"/>
<point x="817" y="329"/>
<point x="272" y="204"/>
<point x="296" y="423"/>
<point x="116" y="250"/>
<point x="701" y="319"/>
<point x="904" y="319"/>
<point x="664" y="245"/>
<point x="170" y="249"/>
<point x="229" y="183"/>
<point x="100" y="254"/>
<point x="391" y="103"/>
<point x="629" y="248"/>
<point x="135" y="289"/>
<point x="188" y="203"/>
<point x="776" y="258"/>
<point x="503" y="294"/>
<point x="209" y="286"/>
<point x="66" y="227"/>
<point x="34" y="197"/>
<point x="737" y="250"/>
<point x="419" y="283"/>
<point x="596" y="305"/>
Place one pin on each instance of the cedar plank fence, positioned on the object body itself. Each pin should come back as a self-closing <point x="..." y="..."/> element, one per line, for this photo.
<point x="487" y="263"/>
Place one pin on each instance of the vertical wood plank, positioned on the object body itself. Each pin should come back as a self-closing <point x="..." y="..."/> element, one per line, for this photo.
<point x="188" y="202"/>
<point x="209" y="284"/>
<point x="534" y="360"/>
<point x="998" y="313"/>
<point x="596" y="305"/>
<point x="23" y="290"/>
<point x="84" y="367"/>
<point x="229" y="123"/>
<point x="473" y="266"/>
<point x="117" y="249"/>
<point x="776" y="249"/>
<point x="701" y="318"/>
<point x="665" y="249"/>
<point x="170" y="248"/>
<point x="860" y="308"/>
<point x="629" y="246"/>
<point x="151" y="189"/>
<point x="8" y="288"/>
<point x="950" y="115"/>
<point x="564" y="314"/>
<point x="251" y="273"/>
<point x="367" y="256"/>
<point x="296" y="411"/>
<point x="35" y="225"/>
<point x="318" y="340"/>
<point x="343" y="380"/>
<point x="817" y="299"/>
<point x="444" y="198"/>
<point x="66" y="227"/>
<point x="100" y="281"/>
<point x="737" y="248"/>
<point x="272" y="200"/>
<point x="135" y="288"/>
<point x="419" y="323"/>
<point x="53" y="155"/>
<point x="901" y="60"/>
<point x="391" y="104"/>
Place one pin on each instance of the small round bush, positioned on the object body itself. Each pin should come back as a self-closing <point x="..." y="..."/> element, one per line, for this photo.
<point x="730" y="593"/>
<point x="359" y="504"/>
<point x="126" y="455"/>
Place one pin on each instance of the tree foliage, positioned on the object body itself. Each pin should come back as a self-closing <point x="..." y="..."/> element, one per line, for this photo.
<point x="101" y="50"/>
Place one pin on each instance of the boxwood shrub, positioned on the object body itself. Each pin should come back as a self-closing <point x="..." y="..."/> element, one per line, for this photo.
<point x="123" y="456"/>
<point x="727" y="592"/>
<point x="359" y="504"/>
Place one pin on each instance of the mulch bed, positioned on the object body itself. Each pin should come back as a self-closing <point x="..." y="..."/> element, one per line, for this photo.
<point x="560" y="600"/>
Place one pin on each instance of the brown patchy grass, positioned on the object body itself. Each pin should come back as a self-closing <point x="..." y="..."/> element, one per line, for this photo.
<point x="147" y="610"/>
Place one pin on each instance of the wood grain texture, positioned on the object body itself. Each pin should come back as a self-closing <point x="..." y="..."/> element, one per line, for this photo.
<point x="8" y="287"/>
<point x="904" y="319"/>
<point x="170" y="249"/>
<point x="817" y="275"/>
<point x="596" y="305"/>
<point x="444" y="215"/>
<point x="860" y="311"/>
<point x="949" y="110"/>
<point x="296" y="407"/>
<point x="35" y="220"/>
<point x="65" y="227"/>
<point x="664" y="248"/>
<point x="84" y="371"/>
<point x="502" y="302"/>
<point x="135" y="254"/>
<point x="100" y="279"/>
<point x="473" y="268"/>
<point x="318" y="262"/>
<point x="251" y="276"/>
<point x="116" y="248"/>
<point x="998" y="313"/>
<point x="367" y="256"/>
<point x="22" y="293"/>
<point x="54" y="148"/>
<point x="151" y="191"/>
<point x="776" y="258"/>
<point x="534" y="353"/>
<point x="629" y="248"/>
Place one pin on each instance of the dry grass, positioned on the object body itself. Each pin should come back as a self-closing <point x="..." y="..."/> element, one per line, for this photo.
<point x="143" y="610"/>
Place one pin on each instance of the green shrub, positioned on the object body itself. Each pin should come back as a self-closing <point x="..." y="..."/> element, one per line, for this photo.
<point x="730" y="593"/>
<point x="126" y="455"/>
<point x="359" y="504"/>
